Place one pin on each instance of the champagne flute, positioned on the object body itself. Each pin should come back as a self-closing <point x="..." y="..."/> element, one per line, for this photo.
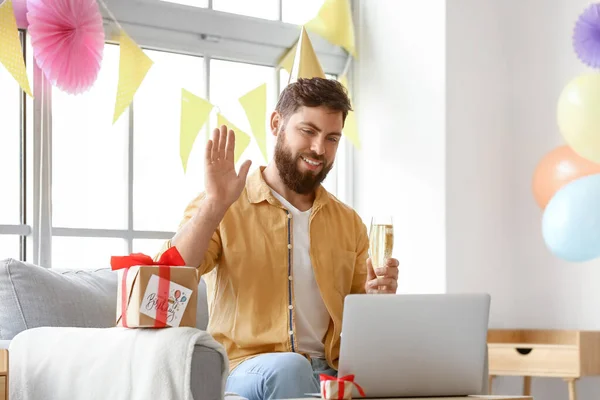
<point x="381" y="240"/>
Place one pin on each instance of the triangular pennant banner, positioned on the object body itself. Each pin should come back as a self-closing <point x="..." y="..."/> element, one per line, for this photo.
<point x="306" y="64"/>
<point x="287" y="61"/>
<point x="134" y="64"/>
<point x="194" y="114"/>
<point x="334" y="23"/>
<point x="11" y="53"/>
<point x="350" y="127"/>
<point x="242" y="140"/>
<point x="255" y="105"/>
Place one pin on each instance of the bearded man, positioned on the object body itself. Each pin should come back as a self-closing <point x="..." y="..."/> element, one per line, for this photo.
<point x="277" y="251"/>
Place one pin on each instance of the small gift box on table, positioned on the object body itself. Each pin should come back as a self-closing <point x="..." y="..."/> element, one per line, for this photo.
<point x="338" y="388"/>
<point x="155" y="294"/>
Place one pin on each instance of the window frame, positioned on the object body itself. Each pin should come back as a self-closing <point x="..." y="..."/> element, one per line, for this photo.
<point x="185" y="30"/>
<point x="203" y="31"/>
<point x="23" y="229"/>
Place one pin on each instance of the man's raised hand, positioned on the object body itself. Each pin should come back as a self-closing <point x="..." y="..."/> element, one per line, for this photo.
<point x="223" y="184"/>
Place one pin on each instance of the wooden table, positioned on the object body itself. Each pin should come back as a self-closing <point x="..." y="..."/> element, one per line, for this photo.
<point x="3" y="374"/>
<point x="566" y="354"/>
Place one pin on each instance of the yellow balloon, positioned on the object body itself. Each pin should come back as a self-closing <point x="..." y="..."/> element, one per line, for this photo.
<point x="579" y="115"/>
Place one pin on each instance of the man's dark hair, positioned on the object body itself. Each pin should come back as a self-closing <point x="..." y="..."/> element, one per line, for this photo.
<point x="313" y="92"/>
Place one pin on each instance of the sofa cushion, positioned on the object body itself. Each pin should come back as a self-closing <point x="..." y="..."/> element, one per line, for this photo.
<point x="32" y="296"/>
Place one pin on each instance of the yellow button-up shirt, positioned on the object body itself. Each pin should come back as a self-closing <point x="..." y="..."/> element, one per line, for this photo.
<point x="248" y="270"/>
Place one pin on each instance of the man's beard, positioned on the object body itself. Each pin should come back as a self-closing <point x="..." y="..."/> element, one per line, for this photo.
<point x="287" y="164"/>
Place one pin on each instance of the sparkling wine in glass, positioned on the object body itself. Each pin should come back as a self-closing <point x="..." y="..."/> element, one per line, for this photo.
<point x="381" y="240"/>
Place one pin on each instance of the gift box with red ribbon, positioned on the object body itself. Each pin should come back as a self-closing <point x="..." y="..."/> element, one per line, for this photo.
<point x="155" y="294"/>
<point x="333" y="388"/>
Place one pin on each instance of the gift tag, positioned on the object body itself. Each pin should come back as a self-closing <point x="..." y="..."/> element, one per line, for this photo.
<point x="175" y="305"/>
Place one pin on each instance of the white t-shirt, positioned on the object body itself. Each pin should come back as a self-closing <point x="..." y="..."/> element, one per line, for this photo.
<point x="312" y="318"/>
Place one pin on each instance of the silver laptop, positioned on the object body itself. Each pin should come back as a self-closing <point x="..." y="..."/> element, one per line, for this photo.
<point x="416" y="345"/>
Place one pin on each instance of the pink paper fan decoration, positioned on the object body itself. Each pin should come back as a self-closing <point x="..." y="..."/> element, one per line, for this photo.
<point x="20" y="10"/>
<point x="68" y="41"/>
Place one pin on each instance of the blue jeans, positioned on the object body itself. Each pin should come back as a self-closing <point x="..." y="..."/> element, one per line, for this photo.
<point x="277" y="376"/>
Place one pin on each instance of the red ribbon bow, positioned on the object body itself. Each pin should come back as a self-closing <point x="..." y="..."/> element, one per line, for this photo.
<point x="170" y="258"/>
<point x="341" y="383"/>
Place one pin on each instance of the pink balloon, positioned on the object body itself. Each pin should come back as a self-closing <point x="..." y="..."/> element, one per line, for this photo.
<point x="20" y="10"/>
<point x="67" y="37"/>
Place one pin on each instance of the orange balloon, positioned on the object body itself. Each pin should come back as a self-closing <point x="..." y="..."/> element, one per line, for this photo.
<point x="557" y="168"/>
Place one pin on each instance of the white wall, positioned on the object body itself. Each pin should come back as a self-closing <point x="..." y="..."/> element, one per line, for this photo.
<point x="508" y="109"/>
<point x="505" y="64"/>
<point x="400" y="113"/>
<point x="543" y="62"/>
<point x="479" y="166"/>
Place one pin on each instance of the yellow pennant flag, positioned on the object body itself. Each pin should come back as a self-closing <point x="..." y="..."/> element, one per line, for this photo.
<point x="242" y="140"/>
<point x="306" y="64"/>
<point x="334" y="23"/>
<point x="287" y="61"/>
<point x="255" y="105"/>
<point x="350" y="128"/>
<point x="194" y="114"/>
<point x="11" y="53"/>
<point x="134" y="64"/>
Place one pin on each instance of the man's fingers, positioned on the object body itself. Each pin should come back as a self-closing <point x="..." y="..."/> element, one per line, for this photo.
<point x="392" y="262"/>
<point x="230" y="149"/>
<point x="382" y="285"/>
<point x="215" y="148"/>
<point x="243" y="174"/>
<point x="386" y="284"/>
<point x="208" y="152"/>
<point x="388" y="272"/>
<point x="224" y="141"/>
<point x="370" y="272"/>
<point x="375" y="283"/>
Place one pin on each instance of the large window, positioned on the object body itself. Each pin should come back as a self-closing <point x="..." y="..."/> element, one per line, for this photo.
<point x="15" y="171"/>
<point x="231" y="80"/>
<point x="120" y="188"/>
<point x="299" y="12"/>
<point x="156" y="164"/>
<point x="289" y="11"/>
<point x="268" y="9"/>
<point x="89" y="163"/>
<point x="10" y="149"/>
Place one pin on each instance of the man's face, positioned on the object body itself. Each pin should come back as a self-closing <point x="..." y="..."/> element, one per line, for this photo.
<point x="306" y="146"/>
